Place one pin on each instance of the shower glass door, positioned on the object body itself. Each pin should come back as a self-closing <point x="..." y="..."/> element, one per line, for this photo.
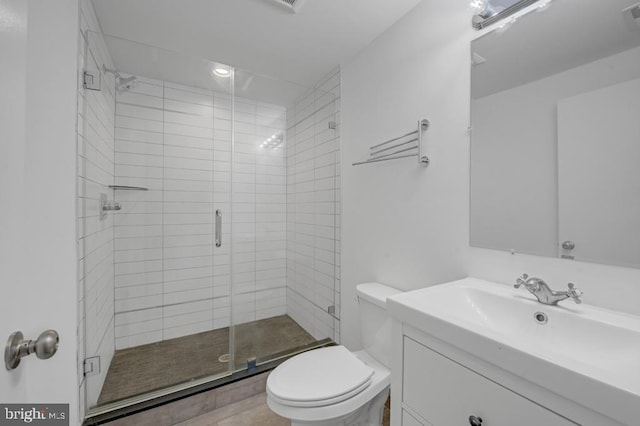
<point x="208" y="220"/>
<point x="284" y="227"/>
<point x="155" y="165"/>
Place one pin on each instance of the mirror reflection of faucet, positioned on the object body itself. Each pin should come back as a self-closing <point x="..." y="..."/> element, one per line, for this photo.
<point x="544" y="294"/>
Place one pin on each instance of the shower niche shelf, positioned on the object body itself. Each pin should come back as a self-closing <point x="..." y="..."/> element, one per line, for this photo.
<point x="128" y="188"/>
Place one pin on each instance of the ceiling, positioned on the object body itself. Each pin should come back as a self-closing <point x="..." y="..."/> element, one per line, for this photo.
<point x="257" y="36"/>
<point x="568" y="34"/>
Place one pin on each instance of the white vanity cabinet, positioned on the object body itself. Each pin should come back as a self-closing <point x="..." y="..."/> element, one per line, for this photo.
<point x="437" y="391"/>
<point x="472" y="352"/>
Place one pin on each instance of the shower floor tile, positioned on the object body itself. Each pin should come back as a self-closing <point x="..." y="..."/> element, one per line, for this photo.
<point x="146" y="368"/>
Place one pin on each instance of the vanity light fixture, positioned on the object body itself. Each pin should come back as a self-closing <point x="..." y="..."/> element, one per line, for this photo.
<point x="488" y="12"/>
<point x="482" y="8"/>
<point x="221" y="72"/>
<point x="506" y="23"/>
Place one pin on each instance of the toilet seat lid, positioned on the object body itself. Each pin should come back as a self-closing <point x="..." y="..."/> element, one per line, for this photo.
<point x="319" y="376"/>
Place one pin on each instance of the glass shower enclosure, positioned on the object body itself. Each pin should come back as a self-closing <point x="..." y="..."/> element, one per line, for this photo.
<point x="208" y="233"/>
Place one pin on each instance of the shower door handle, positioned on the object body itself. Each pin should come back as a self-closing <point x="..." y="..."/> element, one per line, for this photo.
<point x="218" y="228"/>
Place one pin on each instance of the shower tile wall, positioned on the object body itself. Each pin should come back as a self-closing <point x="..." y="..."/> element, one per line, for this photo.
<point x="259" y="212"/>
<point x="95" y="237"/>
<point x="170" y="279"/>
<point x="313" y="209"/>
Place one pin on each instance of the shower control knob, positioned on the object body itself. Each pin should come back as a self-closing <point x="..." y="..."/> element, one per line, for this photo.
<point x="568" y="245"/>
<point x="475" y="421"/>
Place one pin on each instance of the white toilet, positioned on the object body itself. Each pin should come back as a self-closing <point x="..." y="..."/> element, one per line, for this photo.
<point x="333" y="386"/>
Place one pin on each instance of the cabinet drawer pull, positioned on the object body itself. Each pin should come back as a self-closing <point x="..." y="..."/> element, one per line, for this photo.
<point x="475" y="421"/>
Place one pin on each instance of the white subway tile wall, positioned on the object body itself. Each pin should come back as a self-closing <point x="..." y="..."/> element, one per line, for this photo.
<point x="170" y="279"/>
<point x="95" y="154"/>
<point x="259" y="212"/>
<point x="313" y="209"/>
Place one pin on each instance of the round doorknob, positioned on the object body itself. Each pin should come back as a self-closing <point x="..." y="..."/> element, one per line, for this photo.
<point x="47" y="344"/>
<point x="568" y="245"/>
<point x="475" y="421"/>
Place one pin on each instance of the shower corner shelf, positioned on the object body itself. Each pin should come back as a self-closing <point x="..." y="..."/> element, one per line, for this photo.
<point x="405" y="146"/>
<point x="128" y="188"/>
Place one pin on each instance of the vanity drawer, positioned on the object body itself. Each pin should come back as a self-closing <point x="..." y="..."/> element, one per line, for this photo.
<point x="445" y="393"/>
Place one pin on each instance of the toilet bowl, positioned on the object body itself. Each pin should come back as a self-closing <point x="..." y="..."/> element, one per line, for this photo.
<point x="333" y="386"/>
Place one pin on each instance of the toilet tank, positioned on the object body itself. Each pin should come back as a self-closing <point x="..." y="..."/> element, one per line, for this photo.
<point x="375" y="322"/>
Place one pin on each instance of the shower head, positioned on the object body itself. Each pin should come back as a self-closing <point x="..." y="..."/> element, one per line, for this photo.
<point x="124" y="84"/>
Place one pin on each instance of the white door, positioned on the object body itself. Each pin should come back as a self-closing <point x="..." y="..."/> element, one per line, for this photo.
<point x="599" y="174"/>
<point x="13" y="44"/>
<point x="38" y="80"/>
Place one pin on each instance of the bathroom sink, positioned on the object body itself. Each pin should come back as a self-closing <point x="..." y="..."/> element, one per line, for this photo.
<point x="587" y="354"/>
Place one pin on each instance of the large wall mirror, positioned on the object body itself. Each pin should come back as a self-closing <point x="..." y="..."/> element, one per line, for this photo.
<point x="555" y="147"/>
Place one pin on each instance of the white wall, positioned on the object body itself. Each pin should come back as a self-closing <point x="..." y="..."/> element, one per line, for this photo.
<point x="313" y="209"/>
<point x="38" y="197"/>
<point x="408" y="227"/>
<point x="404" y="225"/>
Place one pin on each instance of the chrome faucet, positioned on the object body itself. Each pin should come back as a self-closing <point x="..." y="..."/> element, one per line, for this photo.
<point x="544" y="294"/>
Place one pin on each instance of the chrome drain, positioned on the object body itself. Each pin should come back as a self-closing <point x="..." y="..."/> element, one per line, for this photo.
<point x="224" y="358"/>
<point x="541" y="317"/>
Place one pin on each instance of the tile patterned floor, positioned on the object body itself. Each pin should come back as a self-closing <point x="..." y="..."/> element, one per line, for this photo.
<point x="155" y="366"/>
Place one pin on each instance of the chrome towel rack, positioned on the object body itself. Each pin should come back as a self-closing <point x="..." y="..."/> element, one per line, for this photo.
<point x="405" y="146"/>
